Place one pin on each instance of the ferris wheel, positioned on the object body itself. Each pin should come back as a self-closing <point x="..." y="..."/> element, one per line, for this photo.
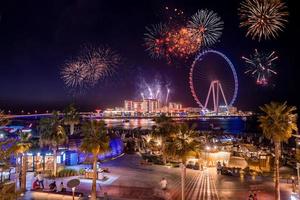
<point x="213" y="81"/>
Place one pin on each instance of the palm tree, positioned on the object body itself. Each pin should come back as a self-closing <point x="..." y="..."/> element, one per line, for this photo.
<point x="7" y="148"/>
<point x="22" y="146"/>
<point x="71" y="117"/>
<point x="163" y="130"/>
<point x="3" y="119"/>
<point x="95" y="141"/>
<point x="182" y="145"/>
<point x="52" y="134"/>
<point x="278" y="123"/>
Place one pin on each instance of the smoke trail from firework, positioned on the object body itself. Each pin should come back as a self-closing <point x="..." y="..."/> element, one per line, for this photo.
<point x="167" y="96"/>
<point x="150" y="92"/>
<point x="157" y="93"/>
<point x="157" y="89"/>
<point x="142" y="95"/>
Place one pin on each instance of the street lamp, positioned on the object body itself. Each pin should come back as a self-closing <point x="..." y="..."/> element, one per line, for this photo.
<point x="73" y="192"/>
<point x="298" y="175"/>
<point x="206" y="152"/>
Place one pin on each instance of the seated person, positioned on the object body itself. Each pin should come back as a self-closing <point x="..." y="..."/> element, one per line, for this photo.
<point x="100" y="176"/>
<point x="105" y="170"/>
<point x="36" y="185"/>
<point x="61" y="188"/>
<point x="53" y="186"/>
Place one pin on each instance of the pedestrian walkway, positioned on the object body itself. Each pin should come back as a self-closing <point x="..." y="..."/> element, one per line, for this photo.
<point x="199" y="186"/>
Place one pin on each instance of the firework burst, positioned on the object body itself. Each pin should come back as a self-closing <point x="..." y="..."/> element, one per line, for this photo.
<point x="260" y="66"/>
<point x="99" y="62"/>
<point x="263" y="18"/>
<point x="155" y="40"/>
<point x="87" y="69"/>
<point x="207" y="26"/>
<point x="181" y="43"/>
<point x="74" y="74"/>
<point x="183" y="39"/>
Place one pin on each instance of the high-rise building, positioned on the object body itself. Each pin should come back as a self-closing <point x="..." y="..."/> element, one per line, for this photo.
<point x="137" y="106"/>
<point x="128" y="105"/>
<point x="150" y="105"/>
<point x="175" y="106"/>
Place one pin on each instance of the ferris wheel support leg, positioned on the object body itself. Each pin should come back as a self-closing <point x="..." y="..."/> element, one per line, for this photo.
<point x="226" y="104"/>
<point x="214" y="96"/>
<point x="217" y="99"/>
<point x="208" y="95"/>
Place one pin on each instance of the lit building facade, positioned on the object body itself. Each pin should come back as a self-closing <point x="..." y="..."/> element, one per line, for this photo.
<point x="150" y="105"/>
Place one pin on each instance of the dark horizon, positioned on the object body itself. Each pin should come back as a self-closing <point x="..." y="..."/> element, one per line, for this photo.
<point x="36" y="38"/>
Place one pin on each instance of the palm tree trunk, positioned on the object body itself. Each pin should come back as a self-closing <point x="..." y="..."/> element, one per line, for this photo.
<point x="183" y="175"/>
<point x="72" y="128"/>
<point x="94" y="189"/>
<point x="24" y="170"/>
<point x="54" y="162"/>
<point x="277" y="155"/>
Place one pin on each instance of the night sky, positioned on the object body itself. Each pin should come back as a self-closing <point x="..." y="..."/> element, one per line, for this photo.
<point x="37" y="37"/>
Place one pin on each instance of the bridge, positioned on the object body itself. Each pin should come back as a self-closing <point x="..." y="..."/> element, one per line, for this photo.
<point x="97" y="116"/>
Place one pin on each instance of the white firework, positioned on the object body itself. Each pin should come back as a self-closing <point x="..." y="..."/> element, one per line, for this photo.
<point x="207" y="26"/>
<point x="92" y="65"/>
<point x="74" y="74"/>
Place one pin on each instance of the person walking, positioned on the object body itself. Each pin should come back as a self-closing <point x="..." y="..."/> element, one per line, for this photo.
<point x="40" y="178"/>
<point x="20" y="178"/>
<point x="251" y="196"/>
<point x="163" y="183"/>
<point x="219" y="167"/>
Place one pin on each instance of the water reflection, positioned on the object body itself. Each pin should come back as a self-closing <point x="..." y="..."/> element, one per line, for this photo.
<point x="230" y="125"/>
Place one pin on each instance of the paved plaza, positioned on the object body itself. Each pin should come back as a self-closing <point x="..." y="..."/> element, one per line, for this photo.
<point x="128" y="179"/>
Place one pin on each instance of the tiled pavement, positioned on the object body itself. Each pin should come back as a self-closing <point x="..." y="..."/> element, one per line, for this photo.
<point x="134" y="181"/>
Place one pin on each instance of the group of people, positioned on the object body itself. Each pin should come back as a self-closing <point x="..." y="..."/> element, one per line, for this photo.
<point x="252" y="196"/>
<point x="220" y="167"/>
<point x="39" y="184"/>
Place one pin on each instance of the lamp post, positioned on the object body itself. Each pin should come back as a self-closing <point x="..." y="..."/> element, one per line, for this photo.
<point x="73" y="193"/>
<point x="206" y="152"/>
<point x="298" y="175"/>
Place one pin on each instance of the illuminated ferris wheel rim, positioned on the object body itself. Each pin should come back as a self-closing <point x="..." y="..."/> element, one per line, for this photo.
<point x="198" y="58"/>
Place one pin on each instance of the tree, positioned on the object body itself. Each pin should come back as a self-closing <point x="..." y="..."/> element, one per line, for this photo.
<point x="182" y="145"/>
<point x="95" y="141"/>
<point x="52" y="134"/>
<point x="278" y="123"/>
<point x="163" y="130"/>
<point x="22" y="146"/>
<point x="3" y="119"/>
<point x="7" y="149"/>
<point x="71" y="117"/>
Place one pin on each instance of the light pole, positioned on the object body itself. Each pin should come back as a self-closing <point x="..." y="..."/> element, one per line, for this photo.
<point x="206" y="152"/>
<point x="73" y="193"/>
<point x="298" y="175"/>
